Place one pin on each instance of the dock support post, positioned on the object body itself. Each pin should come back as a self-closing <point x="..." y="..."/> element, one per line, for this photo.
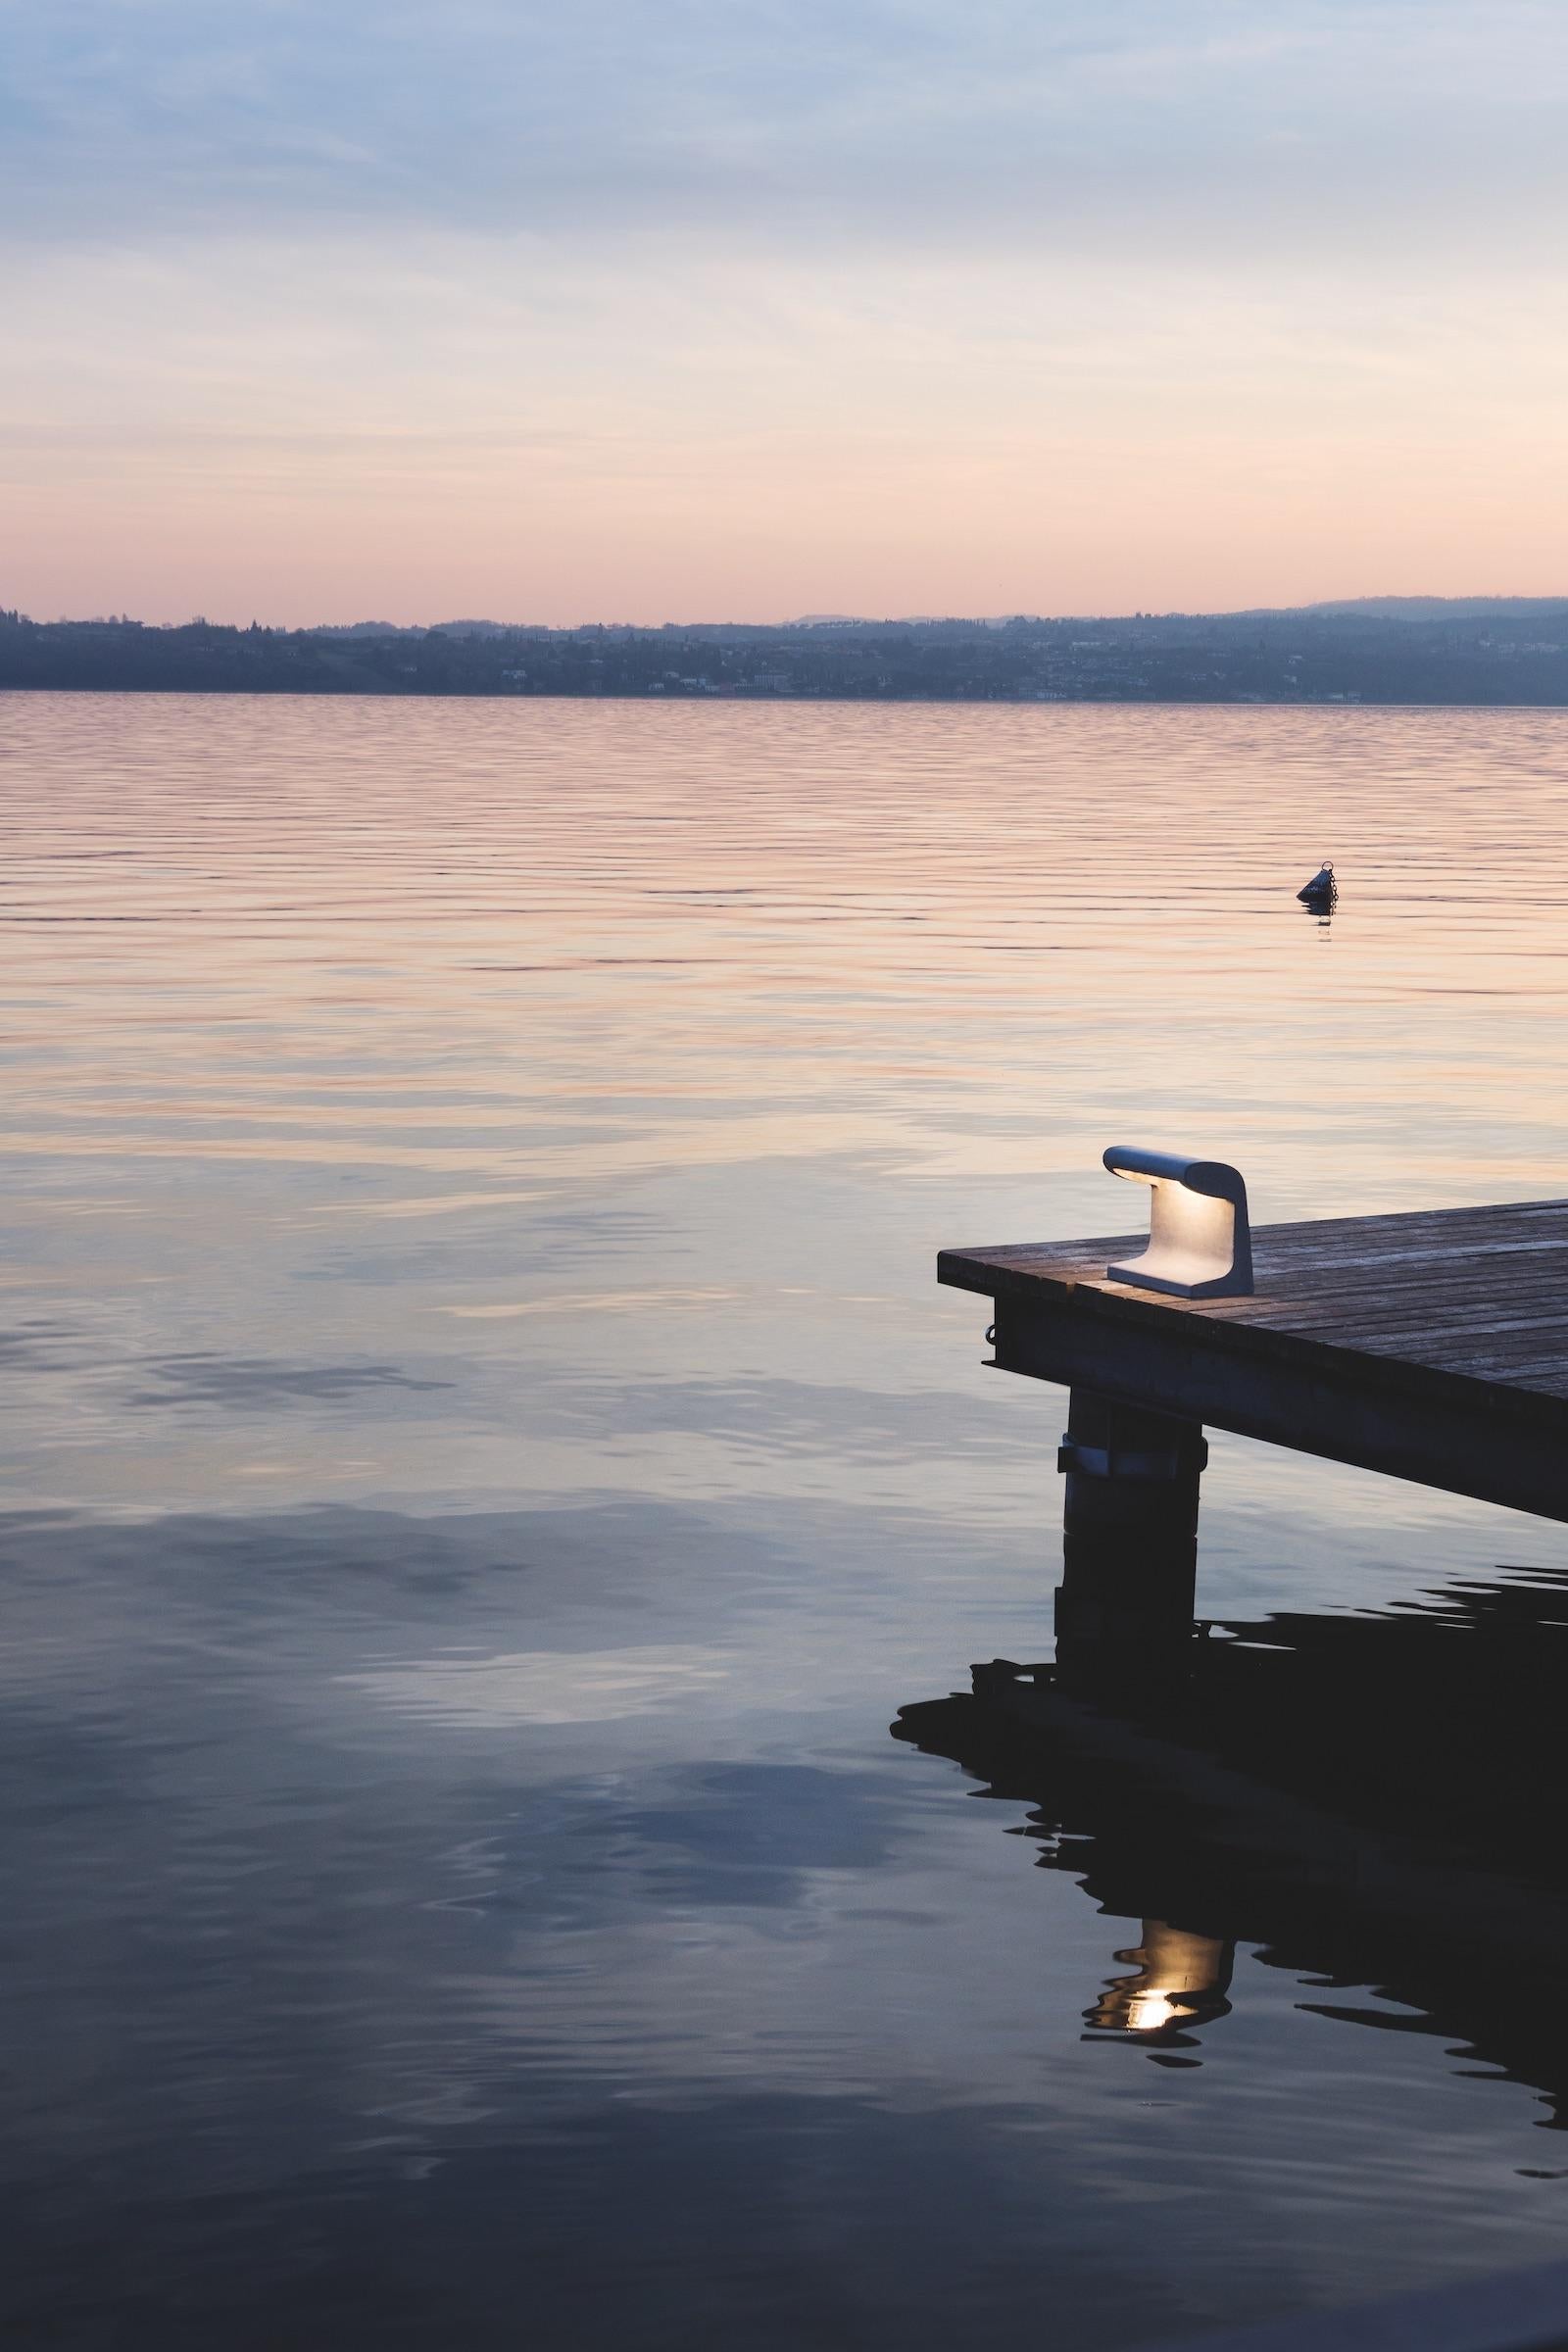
<point x="1129" y="1532"/>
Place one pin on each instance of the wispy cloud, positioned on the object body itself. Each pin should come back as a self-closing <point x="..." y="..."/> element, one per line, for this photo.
<point x="761" y="305"/>
<point x="885" y="118"/>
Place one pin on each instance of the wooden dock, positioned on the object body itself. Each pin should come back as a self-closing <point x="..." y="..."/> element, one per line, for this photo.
<point x="1432" y="1346"/>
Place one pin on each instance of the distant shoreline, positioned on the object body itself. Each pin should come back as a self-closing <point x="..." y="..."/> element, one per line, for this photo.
<point x="852" y="702"/>
<point x="1499" y="658"/>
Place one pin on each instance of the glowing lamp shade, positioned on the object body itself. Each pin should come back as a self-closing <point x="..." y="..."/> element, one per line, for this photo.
<point x="1200" y="1242"/>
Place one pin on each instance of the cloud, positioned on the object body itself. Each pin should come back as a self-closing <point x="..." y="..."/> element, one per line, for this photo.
<point x="242" y="424"/>
<point x="893" y="121"/>
<point x="753" y="308"/>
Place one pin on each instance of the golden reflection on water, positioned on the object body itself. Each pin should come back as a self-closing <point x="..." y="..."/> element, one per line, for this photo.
<point x="420" y="932"/>
<point x="1179" y="1978"/>
<point x="340" y="1027"/>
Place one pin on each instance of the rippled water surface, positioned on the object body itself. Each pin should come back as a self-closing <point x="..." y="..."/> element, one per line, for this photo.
<point x="487" y="1459"/>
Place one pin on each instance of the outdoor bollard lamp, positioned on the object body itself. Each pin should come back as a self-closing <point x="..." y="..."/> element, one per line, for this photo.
<point x="1200" y="1242"/>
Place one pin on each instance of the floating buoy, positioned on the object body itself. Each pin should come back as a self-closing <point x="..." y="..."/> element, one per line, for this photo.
<point x="1322" y="890"/>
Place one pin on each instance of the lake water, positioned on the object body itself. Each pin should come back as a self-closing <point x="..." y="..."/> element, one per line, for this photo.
<point x="487" y="1459"/>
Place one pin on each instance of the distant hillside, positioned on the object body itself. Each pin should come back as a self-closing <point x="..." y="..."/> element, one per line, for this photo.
<point x="1370" y="607"/>
<point x="1449" y="608"/>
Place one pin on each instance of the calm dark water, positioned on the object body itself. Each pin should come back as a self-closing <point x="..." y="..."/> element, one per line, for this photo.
<point x="487" y="1459"/>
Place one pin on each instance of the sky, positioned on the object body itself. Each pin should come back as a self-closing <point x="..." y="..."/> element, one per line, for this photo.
<point x="679" y="310"/>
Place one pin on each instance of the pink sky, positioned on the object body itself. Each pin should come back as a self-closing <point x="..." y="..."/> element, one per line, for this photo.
<point x="1057" y="311"/>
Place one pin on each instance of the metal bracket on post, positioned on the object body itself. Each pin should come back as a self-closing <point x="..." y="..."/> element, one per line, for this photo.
<point x="1108" y="1461"/>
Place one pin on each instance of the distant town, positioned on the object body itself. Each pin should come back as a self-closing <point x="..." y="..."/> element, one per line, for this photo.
<point x="1477" y="650"/>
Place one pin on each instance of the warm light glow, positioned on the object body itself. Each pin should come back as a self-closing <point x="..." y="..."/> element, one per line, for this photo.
<point x="1190" y="1238"/>
<point x="1180" y="1976"/>
<point x="1149" y="2008"/>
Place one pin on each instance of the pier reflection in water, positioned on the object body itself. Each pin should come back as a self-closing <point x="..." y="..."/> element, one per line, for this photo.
<point x="1370" y="1801"/>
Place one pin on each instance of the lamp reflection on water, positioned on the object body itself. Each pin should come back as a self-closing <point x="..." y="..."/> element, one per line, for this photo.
<point x="1181" y="1979"/>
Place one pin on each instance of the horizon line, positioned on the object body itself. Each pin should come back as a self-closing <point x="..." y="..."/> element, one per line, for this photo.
<point x="816" y="620"/>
